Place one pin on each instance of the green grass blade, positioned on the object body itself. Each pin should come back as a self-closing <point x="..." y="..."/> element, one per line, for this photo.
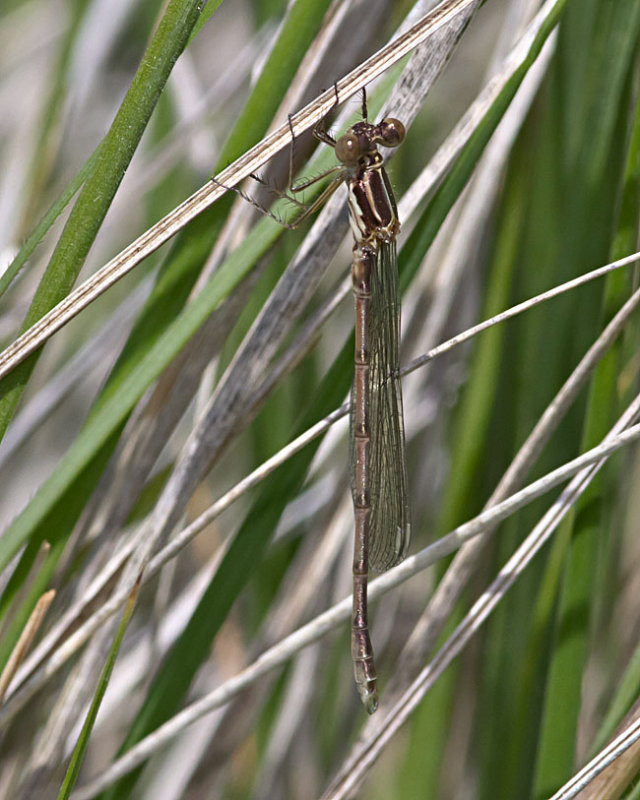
<point x="39" y="232"/>
<point x="244" y="555"/>
<point x="580" y="600"/>
<point x="154" y="342"/>
<point x="437" y="209"/>
<point x="42" y="162"/>
<point x="625" y="696"/>
<point x="77" y="757"/>
<point x="119" y="398"/>
<point x="170" y="687"/>
<point x="567" y="202"/>
<point x="101" y="184"/>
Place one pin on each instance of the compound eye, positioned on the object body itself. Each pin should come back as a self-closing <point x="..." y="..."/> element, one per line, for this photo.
<point x="348" y="149"/>
<point x="392" y="132"/>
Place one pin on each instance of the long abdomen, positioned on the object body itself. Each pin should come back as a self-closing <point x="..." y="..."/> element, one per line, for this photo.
<point x="361" y="649"/>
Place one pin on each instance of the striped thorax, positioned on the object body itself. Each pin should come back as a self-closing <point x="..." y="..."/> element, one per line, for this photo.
<point x="372" y="210"/>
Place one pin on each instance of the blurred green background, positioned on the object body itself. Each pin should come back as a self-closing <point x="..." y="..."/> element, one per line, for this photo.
<point x="147" y="408"/>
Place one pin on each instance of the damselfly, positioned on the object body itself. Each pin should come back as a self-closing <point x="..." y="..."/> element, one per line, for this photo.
<point x="377" y="447"/>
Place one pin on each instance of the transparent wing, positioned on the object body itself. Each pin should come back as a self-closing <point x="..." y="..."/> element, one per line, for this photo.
<point x="389" y="526"/>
